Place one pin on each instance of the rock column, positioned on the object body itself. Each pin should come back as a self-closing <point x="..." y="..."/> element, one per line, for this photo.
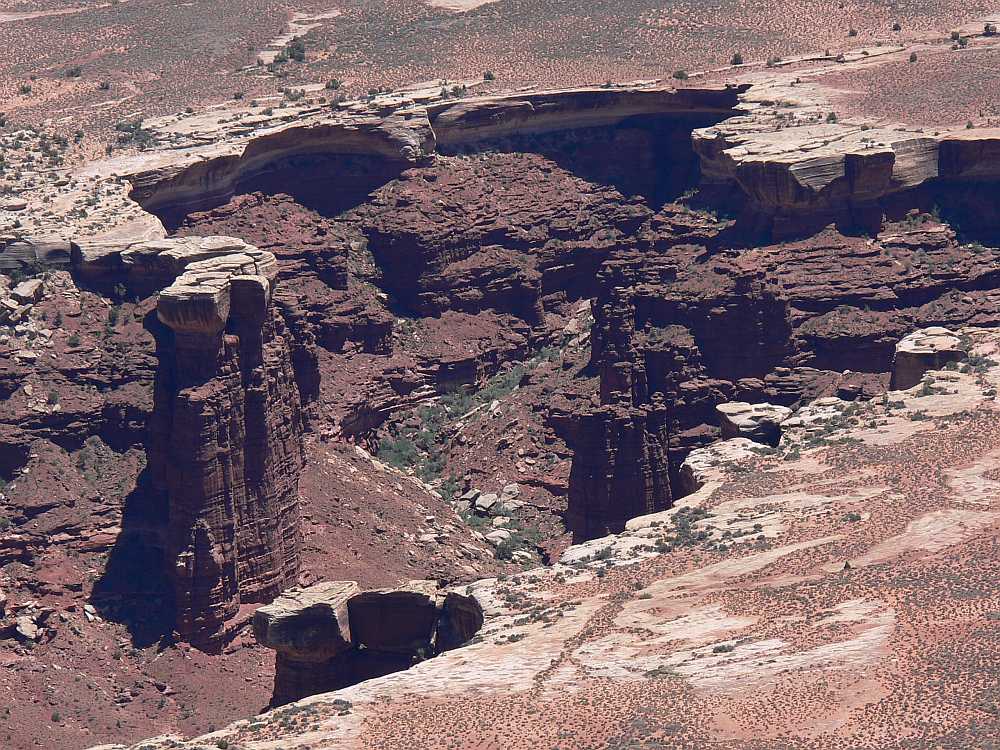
<point x="620" y="464"/>
<point x="225" y="448"/>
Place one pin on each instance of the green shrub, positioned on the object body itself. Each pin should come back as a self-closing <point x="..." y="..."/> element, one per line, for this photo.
<point x="296" y="50"/>
<point x="399" y="452"/>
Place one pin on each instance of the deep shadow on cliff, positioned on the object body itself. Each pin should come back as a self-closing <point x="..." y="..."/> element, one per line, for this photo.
<point x="134" y="588"/>
<point x="649" y="156"/>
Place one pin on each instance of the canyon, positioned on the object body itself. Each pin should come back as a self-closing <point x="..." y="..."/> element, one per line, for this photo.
<point x="390" y="385"/>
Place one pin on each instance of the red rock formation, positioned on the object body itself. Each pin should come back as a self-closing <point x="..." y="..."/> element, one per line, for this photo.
<point x="225" y="446"/>
<point x="620" y="467"/>
<point x="497" y="231"/>
<point x="324" y="302"/>
<point x="620" y="462"/>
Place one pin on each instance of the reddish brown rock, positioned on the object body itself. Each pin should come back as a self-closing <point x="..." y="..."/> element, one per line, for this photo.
<point x="620" y="462"/>
<point x="226" y="442"/>
<point x="324" y="302"/>
<point x="495" y="231"/>
<point x="620" y="467"/>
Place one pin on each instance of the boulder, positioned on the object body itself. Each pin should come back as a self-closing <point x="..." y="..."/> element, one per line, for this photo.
<point x="485" y="503"/>
<point x="927" y="349"/>
<point x="470" y="497"/>
<point x="28" y="291"/>
<point x="511" y="506"/>
<point x="758" y="422"/>
<point x="27" y="628"/>
<point x="510" y="491"/>
<point x="461" y="618"/>
<point x="498" y="536"/>
<point x="308" y="624"/>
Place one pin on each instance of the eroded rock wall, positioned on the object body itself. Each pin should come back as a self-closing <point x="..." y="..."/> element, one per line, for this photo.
<point x="225" y="449"/>
<point x="620" y="464"/>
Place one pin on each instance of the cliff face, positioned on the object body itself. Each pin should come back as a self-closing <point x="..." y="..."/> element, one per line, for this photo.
<point x="363" y="149"/>
<point x="367" y="146"/>
<point x="499" y="231"/>
<point x="799" y="168"/>
<point x="620" y="464"/>
<point x="490" y="118"/>
<point x="225" y="448"/>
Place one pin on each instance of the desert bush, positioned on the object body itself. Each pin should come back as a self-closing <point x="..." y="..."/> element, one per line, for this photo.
<point x="296" y="50"/>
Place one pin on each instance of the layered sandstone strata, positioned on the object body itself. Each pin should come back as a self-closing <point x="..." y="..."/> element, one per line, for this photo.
<point x="621" y="466"/>
<point x="364" y="149"/>
<point x="491" y="118"/>
<point x="368" y="144"/>
<point x="332" y="635"/>
<point x="800" y="167"/>
<point x="225" y="448"/>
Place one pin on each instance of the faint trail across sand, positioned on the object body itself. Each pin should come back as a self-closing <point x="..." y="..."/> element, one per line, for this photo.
<point x="298" y="25"/>
<point x="459" y="6"/>
<point x="28" y="15"/>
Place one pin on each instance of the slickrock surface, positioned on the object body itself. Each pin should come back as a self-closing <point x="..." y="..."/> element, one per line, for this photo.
<point x="804" y="598"/>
